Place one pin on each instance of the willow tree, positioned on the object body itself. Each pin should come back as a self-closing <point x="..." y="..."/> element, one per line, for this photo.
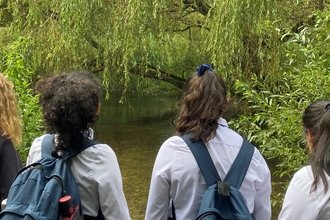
<point x="163" y="40"/>
<point x="128" y="41"/>
<point x="263" y="47"/>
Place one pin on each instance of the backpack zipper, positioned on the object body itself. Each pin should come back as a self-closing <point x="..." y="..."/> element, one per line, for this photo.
<point x="206" y="214"/>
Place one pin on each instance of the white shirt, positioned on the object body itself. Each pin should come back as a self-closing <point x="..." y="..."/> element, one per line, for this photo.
<point x="97" y="173"/>
<point x="299" y="203"/>
<point x="176" y="175"/>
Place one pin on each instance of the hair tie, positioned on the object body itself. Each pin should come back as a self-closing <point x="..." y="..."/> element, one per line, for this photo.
<point x="202" y="68"/>
<point x="326" y="107"/>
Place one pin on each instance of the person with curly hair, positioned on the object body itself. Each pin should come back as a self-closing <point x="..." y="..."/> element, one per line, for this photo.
<point x="10" y="136"/>
<point x="71" y="104"/>
<point x="307" y="196"/>
<point x="176" y="177"/>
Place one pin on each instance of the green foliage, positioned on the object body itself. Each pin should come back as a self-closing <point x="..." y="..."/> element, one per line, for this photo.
<point x="12" y="64"/>
<point x="244" y="36"/>
<point x="115" y="37"/>
<point x="275" y="55"/>
<point x="272" y="121"/>
<point x="273" y="111"/>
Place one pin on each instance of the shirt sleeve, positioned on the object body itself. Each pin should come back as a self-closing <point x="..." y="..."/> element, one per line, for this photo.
<point x="298" y="202"/>
<point x="159" y="199"/>
<point x="159" y="192"/>
<point x="262" y="205"/>
<point x="35" y="150"/>
<point x="110" y="187"/>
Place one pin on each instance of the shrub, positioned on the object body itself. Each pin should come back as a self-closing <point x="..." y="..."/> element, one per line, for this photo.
<point x="272" y="113"/>
<point x="14" y="66"/>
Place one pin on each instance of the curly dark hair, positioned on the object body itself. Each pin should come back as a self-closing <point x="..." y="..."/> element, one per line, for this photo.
<point x="69" y="103"/>
<point x="204" y="101"/>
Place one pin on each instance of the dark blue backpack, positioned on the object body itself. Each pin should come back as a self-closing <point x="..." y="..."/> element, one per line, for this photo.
<point x="37" y="189"/>
<point x="222" y="200"/>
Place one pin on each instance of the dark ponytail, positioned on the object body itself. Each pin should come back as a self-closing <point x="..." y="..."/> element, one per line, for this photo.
<point x="316" y="121"/>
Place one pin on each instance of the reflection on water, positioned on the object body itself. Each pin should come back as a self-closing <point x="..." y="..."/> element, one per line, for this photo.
<point x="135" y="131"/>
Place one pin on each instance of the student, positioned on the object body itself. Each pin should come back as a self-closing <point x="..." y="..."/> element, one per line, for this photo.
<point x="71" y="104"/>
<point x="10" y="136"/>
<point x="308" y="195"/>
<point x="176" y="176"/>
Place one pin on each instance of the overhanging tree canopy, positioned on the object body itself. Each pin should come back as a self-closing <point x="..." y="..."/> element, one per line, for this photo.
<point x="277" y="49"/>
<point x="158" y="39"/>
<point x="164" y="40"/>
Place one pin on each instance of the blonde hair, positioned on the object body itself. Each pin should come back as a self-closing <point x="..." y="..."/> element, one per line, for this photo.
<point x="10" y="121"/>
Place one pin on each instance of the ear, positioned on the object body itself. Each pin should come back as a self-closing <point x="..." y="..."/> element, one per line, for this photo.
<point x="98" y="108"/>
<point x="309" y="137"/>
<point x="227" y="104"/>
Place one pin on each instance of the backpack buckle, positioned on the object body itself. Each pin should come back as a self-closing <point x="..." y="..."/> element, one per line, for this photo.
<point x="223" y="190"/>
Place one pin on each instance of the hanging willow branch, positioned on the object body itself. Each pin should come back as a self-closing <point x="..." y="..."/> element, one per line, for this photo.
<point x="238" y="37"/>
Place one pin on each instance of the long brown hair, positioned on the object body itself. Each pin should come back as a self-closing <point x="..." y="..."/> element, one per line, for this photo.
<point x="204" y="101"/>
<point x="316" y="121"/>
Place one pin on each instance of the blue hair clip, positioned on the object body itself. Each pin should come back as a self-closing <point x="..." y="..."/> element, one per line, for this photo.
<point x="202" y="68"/>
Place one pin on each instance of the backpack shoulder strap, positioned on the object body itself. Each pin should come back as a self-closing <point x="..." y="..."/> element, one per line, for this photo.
<point x="203" y="159"/>
<point x="47" y="146"/>
<point x="85" y="144"/>
<point x="238" y="169"/>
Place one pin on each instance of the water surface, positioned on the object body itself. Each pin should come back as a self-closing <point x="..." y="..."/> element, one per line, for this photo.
<point x="135" y="131"/>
